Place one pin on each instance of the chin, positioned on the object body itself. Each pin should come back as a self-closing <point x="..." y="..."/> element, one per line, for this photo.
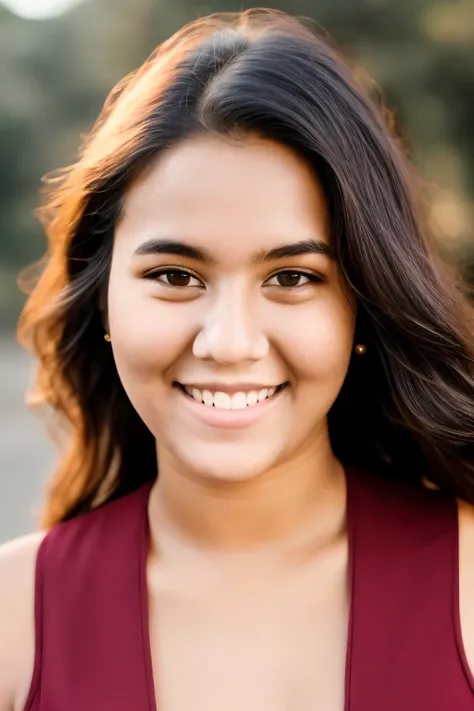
<point x="229" y="464"/>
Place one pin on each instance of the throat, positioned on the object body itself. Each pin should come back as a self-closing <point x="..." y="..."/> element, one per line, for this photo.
<point x="275" y="513"/>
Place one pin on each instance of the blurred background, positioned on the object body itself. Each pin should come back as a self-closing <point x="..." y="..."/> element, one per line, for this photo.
<point x="60" y="58"/>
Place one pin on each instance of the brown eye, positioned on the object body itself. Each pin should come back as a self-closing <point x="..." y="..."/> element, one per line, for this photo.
<point x="289" y="279"/>
<point x="177" y="278"/>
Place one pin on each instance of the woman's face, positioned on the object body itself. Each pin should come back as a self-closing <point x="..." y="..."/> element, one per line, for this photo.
<point x="231" y="326"/>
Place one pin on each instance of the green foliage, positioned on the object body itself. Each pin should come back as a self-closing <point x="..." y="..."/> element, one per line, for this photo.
<point x="57" y="73"/>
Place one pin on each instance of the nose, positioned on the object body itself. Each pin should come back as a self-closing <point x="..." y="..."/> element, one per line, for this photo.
<point x="231" y="332"/>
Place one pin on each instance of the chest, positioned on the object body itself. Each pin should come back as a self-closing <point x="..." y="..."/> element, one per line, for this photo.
<point x="272" y="642"/>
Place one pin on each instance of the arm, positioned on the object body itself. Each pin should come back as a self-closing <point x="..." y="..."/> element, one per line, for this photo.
<point x="17" y="577"/>
<point x="466" y="578"/>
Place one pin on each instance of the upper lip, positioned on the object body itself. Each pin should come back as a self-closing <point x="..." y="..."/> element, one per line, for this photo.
<point x="229" y="388"/>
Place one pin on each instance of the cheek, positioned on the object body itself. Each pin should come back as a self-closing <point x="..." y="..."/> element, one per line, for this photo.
<point x="317" y="339"/>
<point x="148" y="336"/>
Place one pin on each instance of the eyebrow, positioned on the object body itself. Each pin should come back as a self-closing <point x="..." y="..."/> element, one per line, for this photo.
<point x="171" y="246"/>
<point x="181" y="249"/>
<point x="310" y="246"/>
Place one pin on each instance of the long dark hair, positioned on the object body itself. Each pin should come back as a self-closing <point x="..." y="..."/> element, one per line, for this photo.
<point x="406" y="408"/>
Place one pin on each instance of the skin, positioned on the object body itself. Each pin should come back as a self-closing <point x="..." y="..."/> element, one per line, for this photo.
<point x="247" y="523"/>
<point x="234" y="323"/>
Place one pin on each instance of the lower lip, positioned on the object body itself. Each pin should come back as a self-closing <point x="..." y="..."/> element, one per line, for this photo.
<point x="216" y="417"/>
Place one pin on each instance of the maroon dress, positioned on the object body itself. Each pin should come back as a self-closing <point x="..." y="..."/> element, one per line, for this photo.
<point x="404" y="649"/>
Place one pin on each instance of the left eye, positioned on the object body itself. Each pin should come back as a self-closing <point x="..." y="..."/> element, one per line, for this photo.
<point x="176" y="278"/>
<point x="290" y="279"/>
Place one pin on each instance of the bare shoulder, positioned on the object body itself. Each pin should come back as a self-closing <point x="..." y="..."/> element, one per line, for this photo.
<point x="17" y="584"/>
<point x="466" y="577"/>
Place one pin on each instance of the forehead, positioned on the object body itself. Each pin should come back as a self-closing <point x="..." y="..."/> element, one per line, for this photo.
<point x="232" y="198"/>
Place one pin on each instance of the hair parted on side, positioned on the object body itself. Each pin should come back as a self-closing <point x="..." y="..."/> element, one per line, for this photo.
<point x="406" y="409"/>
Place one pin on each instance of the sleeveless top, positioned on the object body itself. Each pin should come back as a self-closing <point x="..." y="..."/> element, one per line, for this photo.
<point x="404" y="650"/>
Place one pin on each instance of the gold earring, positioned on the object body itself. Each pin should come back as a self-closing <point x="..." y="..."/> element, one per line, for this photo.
<point x="107" y="337"/>
<point x="360" y="349"/>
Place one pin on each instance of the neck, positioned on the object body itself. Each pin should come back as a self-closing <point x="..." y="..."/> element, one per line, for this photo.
<point x="266" y="511"/>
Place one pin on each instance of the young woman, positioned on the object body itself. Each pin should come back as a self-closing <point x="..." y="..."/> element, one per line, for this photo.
<point x="267" y="380"/>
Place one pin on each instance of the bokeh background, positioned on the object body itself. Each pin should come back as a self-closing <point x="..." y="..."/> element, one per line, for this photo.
<point x="60" y="58"/>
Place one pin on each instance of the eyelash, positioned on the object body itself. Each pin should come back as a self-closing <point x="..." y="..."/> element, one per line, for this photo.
<point x="312" y="278"/>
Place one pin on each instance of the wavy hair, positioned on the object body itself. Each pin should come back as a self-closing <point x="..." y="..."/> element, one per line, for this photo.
<point x="406" y="409"/>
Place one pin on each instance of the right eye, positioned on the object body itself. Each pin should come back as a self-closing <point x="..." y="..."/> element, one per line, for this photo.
<point x="175" y="278"/>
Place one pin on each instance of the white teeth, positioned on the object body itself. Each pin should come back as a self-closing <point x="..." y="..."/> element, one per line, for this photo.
<point x="222" y="401"/>
<point x="208" y="397"/>
<point x="238" y="401"/>
<point x="197" y="394"/>
<point x="252" y="397"/>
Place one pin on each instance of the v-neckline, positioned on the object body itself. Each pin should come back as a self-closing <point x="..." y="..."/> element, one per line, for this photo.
<point x="144" y="604"/>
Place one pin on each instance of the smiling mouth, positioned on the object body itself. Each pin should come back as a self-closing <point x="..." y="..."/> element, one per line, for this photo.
<point x="223" y="401"/>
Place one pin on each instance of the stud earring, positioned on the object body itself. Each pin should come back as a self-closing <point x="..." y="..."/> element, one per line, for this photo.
<point x="360" y="349"/>
<point x="107" y="337"/>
